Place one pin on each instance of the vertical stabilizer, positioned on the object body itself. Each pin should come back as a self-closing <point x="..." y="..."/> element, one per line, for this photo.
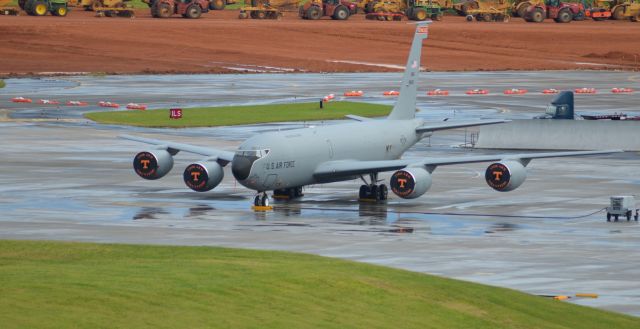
<point x="405" y="108"/>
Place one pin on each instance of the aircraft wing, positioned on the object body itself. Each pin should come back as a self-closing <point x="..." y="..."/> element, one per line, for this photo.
<point x="173" y="148"/>
<point x="346" y="168"/>
<point x="453" y="124"/>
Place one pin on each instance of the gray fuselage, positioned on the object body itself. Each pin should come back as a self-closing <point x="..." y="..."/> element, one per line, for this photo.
<point x="284" y="159"/>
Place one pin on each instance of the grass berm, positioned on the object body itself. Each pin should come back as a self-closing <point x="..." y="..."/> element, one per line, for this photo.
<point x="240" y="115"/>
<point x="83" y="285"/>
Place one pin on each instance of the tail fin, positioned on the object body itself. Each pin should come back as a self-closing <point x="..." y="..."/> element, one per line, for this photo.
<point x="405" y="108"/>
<point x="562" y="106"/>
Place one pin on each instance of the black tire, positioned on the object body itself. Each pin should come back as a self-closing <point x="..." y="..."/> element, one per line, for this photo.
<point x="264" y="200"/>
<point x="291" y="193"/>
<point x="22" y="3"/>
<point x="163" y="10"/>
<point x="374" y="192"/>
<point x="260" y="14"/>
<point x="522" y="9"/>
<point x="299" y="191"/>
<point x="36" y="8"/>
<point x="341" y="13"/>
<point x="618" y="13"/>
<point x="564" y="16"/>
<point x="628" y="216"/>
<point x="469" y="18"/>
<point x="636" y="216"/>
<point x="487" y="17"/>
<point x="615" y="218"/>
<point x="436" y="17"/>
<point x="635" y="19"/>
<point x="364" y="192"/>
<point x="419" y="14"/>
<point x="60" y="11"/>
<point x="537" y="16"/>
<point x="383" y="191"/>
<point x="194" y="11"/>
<point x="580" y="16"/>
<point x="217" y="4"/>
<point x="608" y="217"/>
<point x="314" y="13"/>
<point x="368" y="9"/>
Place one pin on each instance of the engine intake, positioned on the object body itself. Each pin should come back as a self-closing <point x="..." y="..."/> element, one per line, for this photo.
<point x="203" y="177"/>
<point x="410" y="183"/>
<point x="152" y="165"/>
<point x="505" y="176"/>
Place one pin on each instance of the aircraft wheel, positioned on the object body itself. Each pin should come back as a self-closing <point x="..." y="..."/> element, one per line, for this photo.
<point x="383" y="191"/>
<point x="608" y="217"/>
<point x="364" y="191"/>
<point x="374" y="192"/>
<point x="256" y="201"/>
<point x="628" y="216"/>
<point x="264" y="200"/>
<point x="299" y="191"/>
<point x="615" y="218"/>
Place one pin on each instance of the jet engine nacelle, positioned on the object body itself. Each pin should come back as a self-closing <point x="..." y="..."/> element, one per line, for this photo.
<point x="410" y="183"/>
<point x="203" y="176"/>
<point x="152" y="164"/>
<point x="505" y="176"/>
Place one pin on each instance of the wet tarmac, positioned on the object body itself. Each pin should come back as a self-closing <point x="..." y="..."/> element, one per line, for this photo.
<point x="72" y="180"/>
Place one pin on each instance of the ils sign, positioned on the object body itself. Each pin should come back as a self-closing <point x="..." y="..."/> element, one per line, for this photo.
<point x="175" y="114"/>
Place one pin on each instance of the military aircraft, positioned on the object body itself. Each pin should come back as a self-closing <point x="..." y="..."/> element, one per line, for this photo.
<point x="285" y="161"/>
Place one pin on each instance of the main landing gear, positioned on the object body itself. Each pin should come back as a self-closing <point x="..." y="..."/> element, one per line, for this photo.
<point x="288" y="193"/>
<point x="373" y="192"/>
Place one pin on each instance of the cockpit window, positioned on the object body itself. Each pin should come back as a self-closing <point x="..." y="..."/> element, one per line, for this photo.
<point x="243" y="160"/>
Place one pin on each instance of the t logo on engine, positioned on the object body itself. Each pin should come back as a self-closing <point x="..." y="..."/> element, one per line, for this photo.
<point x="195" y="175"/>
<point x="497" y="175"/>
<point x="145" y="164"/>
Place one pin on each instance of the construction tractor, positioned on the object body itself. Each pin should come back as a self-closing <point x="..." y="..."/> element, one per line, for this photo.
<point x="490" y="11"/>
<point x="560" y="12"/>
<point x="336" y="9"/>
<point x="366" y="5"/>
<point x="417" y="10"/>
<point x="266" y="9"/>
<point x="463" y="7"/>
<point x="616" y="9"/>
<point x="187" y="8"/>
<point x="109" y="8"/>
<point x="520" y="7"/>
<point x="42" y="7"/>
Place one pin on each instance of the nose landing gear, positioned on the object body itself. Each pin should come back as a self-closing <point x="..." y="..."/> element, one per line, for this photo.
<point x="373" y="192"/>
<point x="261" y="202"/>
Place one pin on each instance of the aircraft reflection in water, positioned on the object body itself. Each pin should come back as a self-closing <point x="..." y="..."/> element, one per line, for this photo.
<point x="285" y="161"/>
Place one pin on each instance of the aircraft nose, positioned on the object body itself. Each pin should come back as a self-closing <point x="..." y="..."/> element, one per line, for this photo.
<point x="241" y="167"/>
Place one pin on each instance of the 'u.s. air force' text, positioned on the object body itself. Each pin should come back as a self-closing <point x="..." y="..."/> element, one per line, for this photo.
<point x="280" y="165"/>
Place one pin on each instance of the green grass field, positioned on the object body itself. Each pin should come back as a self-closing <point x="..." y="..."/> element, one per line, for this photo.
<point x="79" y="285"/>
<point x="2" y="83"/>
<point x="237" y="115"/>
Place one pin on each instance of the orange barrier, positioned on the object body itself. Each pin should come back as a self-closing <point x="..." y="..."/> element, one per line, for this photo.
<point x="438" y="92"/>
<point x="477" y="92"/>
<point x="515" y="91"/>
<point x="585" y="91"/>
<point x="550" y="91"/>
<point x="77" y="103"/>
<point x="48" y="102"/>
<point x="391" y="93"/>
<point x="108" y="104"/>
<point x="21" y="100"/>
<point x="621" y="90"/>
<point x="135" y="106"/>
<point x="354" y="93"/>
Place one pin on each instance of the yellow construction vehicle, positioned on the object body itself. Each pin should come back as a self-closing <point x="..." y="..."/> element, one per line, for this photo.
<point x="267" y="9"/>
<point x="519" y="7"/>
<point x="417" y="10"/>
<point x="490" y="11"/>
<point x="109" y="8"/>
<point x="7" y="8"/>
